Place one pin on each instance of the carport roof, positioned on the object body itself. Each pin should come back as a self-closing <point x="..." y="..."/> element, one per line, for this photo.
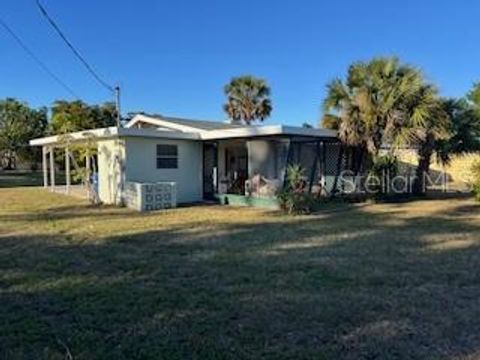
<point x="162" y="133"/>
<point x="111" y="133"/>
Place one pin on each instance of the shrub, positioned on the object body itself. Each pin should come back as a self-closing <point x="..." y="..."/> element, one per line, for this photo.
<point x="293" y="199"/>
<point x="383" y="169"/>
<point x="296" y="178"/>
<point x="295" y="203"/>
<point x="476" y="179"/>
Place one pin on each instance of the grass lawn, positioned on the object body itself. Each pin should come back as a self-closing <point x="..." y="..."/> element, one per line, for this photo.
<point x="387" y="281"/>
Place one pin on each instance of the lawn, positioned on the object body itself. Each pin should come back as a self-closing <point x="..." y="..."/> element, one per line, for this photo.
<point x="386" y="281"/>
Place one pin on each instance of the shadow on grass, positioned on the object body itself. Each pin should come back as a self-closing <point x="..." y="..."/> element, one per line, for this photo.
<point x="348" y="285"/>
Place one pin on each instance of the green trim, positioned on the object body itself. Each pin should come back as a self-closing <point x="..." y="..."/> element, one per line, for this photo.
<point x="241" y="200"/>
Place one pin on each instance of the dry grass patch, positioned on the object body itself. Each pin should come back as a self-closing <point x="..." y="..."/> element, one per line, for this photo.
<point x="378" y="281"/>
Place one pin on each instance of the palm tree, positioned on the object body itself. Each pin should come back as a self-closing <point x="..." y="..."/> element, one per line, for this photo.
<point x="425" y="124"/>
<point x="464" y="129"/>
<point x="248" y="99"/>
<point x="370" y="102"/>
<point x="384" y="102"/>
<point x="454" y="128"/>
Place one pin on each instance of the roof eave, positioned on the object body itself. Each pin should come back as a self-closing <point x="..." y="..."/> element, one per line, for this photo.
<point x="160" y="122"/>
<point x="268" y="130"/>
<point x="111" y="132"/>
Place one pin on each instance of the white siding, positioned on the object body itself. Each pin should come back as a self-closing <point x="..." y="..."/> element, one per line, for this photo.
<point x="111" y="163"/>
<point x="141" y="166"/>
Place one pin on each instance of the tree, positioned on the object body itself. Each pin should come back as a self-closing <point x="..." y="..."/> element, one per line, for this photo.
<point x="370" y="102"/>
<point x="248" y="99"/>
<point x="68" y="116"/>
<point x="464" y="129"/>
<point x="473" y="96"/>
<point x="454" y="129"/>
<point x="386" y="103"/>
<point x="19" y="124"/>
<point x="428" y="125"/>
<point x="330" y="121"/>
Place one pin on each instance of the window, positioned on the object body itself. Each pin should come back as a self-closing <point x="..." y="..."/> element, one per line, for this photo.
<point x="167" y="156"/>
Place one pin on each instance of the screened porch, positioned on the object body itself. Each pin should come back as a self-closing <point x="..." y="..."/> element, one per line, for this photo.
<point x="257" y="168"/>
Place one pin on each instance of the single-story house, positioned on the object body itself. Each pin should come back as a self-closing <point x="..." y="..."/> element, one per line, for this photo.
<point x="203" y="159"/>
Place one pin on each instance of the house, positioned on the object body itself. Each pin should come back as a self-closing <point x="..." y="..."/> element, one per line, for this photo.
<point x="204" y="159"/>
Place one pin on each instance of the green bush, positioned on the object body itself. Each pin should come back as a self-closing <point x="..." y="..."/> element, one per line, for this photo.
<point x="383" y="169"/>
<point x="293" y="198"/>
<point x="296" y="178"/>
<point x="294" y="203"/>
<point x="476" y="179"/>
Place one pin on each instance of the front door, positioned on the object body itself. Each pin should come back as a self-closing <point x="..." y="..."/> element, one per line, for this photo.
<point x="210" y="170"/>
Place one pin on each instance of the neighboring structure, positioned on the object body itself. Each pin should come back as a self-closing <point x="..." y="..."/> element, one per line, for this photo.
<point x="456" y="175"/>
<point x="204" y="159"/>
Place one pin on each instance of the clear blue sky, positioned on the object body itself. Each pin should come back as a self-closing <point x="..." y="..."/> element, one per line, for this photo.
<point x="173" y="57"/>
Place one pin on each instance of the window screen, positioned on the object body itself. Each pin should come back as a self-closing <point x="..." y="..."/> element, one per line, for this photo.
<point x="167" y="156"/>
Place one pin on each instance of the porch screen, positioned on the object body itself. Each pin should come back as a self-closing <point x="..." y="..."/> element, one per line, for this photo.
<point x="167" y="156"/>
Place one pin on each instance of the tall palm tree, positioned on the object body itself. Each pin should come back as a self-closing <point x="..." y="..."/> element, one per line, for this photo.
<point x="453" y="128"/>
<point x="248" y="99"/>
<point x="424" y="126"/>
<point x="369" y="103"/>
<point x="384" y="102"/>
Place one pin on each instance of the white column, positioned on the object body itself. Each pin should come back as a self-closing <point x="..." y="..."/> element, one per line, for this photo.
<point x="52" y="169"/>
<point x="67" y="170"/>
<point x="87" y="173"/>
<point x="44" y="166"/>
<point x="88" y="167"/>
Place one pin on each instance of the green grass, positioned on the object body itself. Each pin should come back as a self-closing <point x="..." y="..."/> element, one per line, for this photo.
<point x="385" y="281"/>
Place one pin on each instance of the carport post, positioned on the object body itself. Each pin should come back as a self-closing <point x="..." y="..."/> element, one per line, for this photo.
<point x="44" y="167"/>
<point x="87" y="174"/>
<point x="52" y="169"/>
<point x="67" y="170"/>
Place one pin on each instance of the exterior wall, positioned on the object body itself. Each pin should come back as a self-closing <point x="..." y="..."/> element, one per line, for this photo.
<point x="141" y="166"/>
<point x="457" y="172"/>
<point x="111" y="166"/>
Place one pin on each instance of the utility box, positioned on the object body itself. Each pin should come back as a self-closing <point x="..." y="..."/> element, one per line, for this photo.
<point x="151" y="196"/>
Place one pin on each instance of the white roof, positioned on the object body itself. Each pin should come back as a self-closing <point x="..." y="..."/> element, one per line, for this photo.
<point x="113" y="132"/>
<point x="267" y="130"/>
<point x="179" y="130"/>
<point x="181" y="124"/>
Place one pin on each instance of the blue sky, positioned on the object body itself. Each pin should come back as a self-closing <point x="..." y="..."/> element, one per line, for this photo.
<point x="173" y="57"/>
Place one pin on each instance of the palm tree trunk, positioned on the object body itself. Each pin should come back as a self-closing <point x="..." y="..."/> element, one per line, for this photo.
<point x="425" y="153"/>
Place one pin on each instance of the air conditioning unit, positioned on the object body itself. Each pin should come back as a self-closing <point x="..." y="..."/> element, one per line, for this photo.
<point x="151" y="196"/>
